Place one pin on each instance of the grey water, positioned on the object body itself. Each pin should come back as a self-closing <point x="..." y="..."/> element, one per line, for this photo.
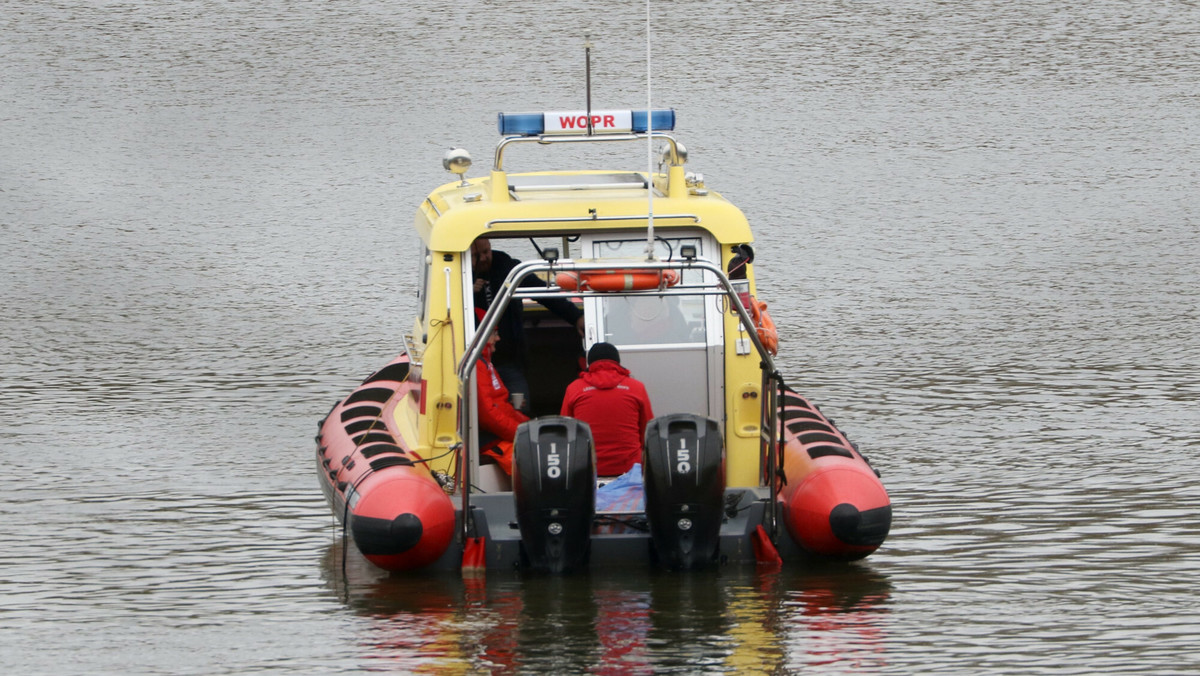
<point x="978" y="228"/>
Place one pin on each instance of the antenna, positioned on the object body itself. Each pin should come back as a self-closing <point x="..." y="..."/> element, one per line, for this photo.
<point x="649" y="149"/>
<point x="587" y="52"/>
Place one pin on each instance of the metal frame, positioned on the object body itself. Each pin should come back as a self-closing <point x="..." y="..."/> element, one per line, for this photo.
<point x="588" y="219"/>
<point x="511" y="291"/>
<point x="498" y="163"/>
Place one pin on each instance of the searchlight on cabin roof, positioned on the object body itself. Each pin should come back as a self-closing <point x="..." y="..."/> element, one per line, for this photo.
<point x="576" y="122"/>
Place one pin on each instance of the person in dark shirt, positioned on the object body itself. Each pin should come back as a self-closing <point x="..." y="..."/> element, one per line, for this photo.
<point x="490" y="268"/>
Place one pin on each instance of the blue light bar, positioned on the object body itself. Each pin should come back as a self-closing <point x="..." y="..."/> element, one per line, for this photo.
<point x="521" y="124"/>
<point x="575" y="122"/>
<point x="663" y="119"/>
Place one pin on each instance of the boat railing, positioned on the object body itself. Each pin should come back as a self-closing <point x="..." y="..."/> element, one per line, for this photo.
<point x="415" y="352"/>
<point x="590" y="218"/>
<point x="511" y="291"/>
<point x="675" y="155"/>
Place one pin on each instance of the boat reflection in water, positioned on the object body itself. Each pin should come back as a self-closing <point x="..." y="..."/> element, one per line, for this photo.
<point x="735" y="619"/>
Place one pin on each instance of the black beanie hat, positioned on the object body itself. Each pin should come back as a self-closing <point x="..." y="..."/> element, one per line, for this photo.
<point x="603" y="351"/>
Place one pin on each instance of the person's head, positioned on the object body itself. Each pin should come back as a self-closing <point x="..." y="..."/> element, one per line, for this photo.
<point x="601" y="351"/>
<point x="481" y="255"/>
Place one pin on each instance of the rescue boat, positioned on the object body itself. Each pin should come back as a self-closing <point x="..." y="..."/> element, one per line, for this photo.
<point x="736" y="467"/>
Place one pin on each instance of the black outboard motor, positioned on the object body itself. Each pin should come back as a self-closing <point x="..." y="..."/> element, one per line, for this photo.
<point x="684" y="467"/>
<point x="554" y="484"/>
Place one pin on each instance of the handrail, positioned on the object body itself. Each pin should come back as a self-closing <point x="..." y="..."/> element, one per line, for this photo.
<point x="498" y="163"/>
<point x="588" y="219"/>
<point x="511" y="284"/>
<point x="767" y="428"/>
<point x="415" y="354"/>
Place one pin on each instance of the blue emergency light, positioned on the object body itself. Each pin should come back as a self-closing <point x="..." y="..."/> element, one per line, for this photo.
<point x="576" y="122"/>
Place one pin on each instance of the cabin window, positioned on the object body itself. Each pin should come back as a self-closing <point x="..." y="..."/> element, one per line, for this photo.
<point x="423" y="285"/>
<point x="652" y="320"/>
<point x="520" y="249"/>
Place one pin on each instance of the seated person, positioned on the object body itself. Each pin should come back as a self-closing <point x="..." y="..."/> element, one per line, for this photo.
<point x="615" y="405"/>
<point x="498" y="420"/>
<point x="490" y="268"/>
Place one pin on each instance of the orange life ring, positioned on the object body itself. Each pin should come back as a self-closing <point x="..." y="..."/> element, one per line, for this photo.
<point x="616" y="280"/>
<point x="767" y="334"/>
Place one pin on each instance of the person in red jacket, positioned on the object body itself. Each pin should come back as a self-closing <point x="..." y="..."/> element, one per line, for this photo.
<point x="615" y="405"/>
<point x="498" y="419"/>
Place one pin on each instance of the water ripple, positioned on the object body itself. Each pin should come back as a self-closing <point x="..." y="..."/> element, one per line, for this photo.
<point x="976" y="237"/>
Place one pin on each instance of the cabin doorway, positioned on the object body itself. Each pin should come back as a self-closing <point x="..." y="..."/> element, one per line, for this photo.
<point x="553" y="348"/>
<point x="673" y="344"/>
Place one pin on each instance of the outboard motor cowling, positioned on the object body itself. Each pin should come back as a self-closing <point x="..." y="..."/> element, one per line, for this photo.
<point x="684" y="466"/>
<point x="554" y="485"/>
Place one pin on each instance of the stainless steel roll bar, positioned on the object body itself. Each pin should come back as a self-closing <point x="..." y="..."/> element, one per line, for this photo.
<point x="511" y="290"/>
<point x="498" y="163"/>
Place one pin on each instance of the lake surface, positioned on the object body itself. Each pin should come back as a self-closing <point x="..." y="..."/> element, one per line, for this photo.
<point x="978" y="230"/>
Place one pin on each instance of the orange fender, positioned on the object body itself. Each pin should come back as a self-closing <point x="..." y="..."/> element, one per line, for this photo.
<point x="767" y="334"/>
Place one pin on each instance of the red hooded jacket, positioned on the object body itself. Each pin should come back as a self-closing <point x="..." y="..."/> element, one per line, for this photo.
<point x="617" y="408"/>
<point x="496" y="415"/>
